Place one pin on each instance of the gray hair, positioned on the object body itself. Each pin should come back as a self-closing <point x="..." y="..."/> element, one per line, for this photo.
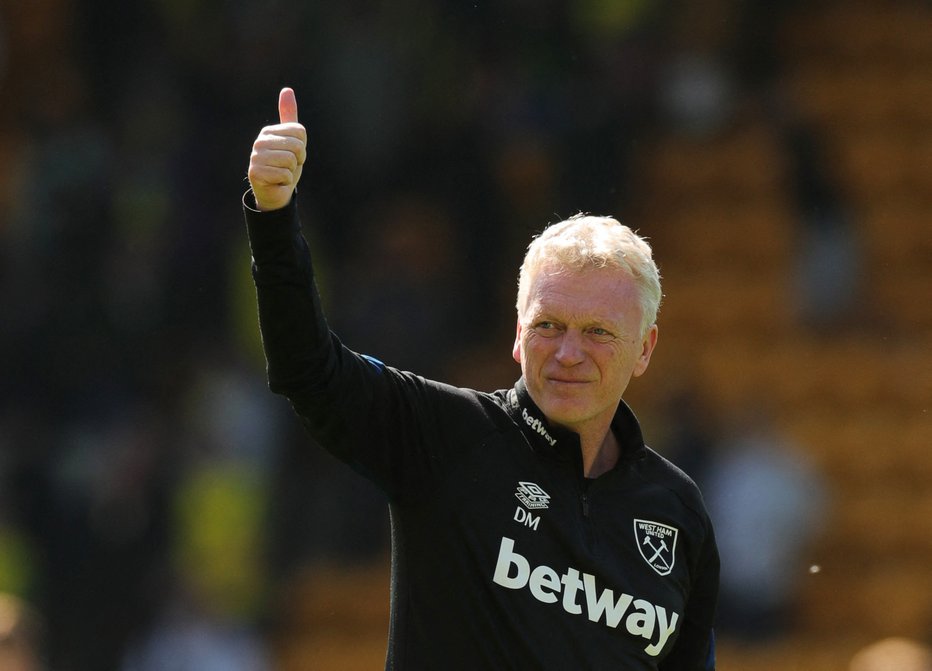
<point x="586" y="241"/>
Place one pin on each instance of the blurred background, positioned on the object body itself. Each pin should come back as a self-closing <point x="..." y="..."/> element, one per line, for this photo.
<point x="160" y="509"/>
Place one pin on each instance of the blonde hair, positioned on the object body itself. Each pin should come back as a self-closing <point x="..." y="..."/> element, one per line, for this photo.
<point x="585" y="241"/>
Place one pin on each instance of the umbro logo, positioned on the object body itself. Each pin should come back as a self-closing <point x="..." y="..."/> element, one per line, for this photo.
<point x="532" y="496"/>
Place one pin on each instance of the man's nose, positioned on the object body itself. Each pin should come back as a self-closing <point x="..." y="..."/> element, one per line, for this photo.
<point x="570" y="352"/>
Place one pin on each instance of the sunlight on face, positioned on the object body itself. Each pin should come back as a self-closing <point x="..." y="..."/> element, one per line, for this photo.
<point x="579" y="344"/>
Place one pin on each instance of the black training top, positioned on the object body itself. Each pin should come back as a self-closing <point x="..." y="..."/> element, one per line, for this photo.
<point x="503" y="555"/>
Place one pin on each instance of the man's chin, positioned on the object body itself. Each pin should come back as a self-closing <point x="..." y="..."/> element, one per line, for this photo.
<point x="563" y="412"/>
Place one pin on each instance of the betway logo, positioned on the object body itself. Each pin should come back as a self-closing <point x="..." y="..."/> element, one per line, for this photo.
<point x="643" y="618"/>
<point x="538" y="426"/>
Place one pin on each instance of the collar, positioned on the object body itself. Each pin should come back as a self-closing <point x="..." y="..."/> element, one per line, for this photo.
<point x="562" y="443"/>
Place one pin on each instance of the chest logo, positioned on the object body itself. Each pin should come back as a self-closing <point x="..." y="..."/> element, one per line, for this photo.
<point x="532" y="496"/>
<point x="657" y="544"/>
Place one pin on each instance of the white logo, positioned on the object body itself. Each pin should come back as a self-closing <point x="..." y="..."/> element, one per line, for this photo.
<point x="532" y="496"/>
<point x="538" y="426"/>
<point x="528" y="519"/>
<point x="638" y="616"/>
<point x="657" y="544"/>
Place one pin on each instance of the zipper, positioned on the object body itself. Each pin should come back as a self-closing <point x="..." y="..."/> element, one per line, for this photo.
<point x="588" y="529"/>
<point x="582" y="487"/>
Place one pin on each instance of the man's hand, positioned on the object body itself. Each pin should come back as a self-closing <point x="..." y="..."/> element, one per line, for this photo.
<point x="278" y="156"/>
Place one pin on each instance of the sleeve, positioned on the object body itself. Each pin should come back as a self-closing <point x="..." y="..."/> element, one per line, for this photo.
<point x="694" y="649"/>
<point x="387" y="424"/>
<point x="295" y="335"/>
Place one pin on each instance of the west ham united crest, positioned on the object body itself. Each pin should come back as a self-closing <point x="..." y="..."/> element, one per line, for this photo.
<point x="657" y="544"/>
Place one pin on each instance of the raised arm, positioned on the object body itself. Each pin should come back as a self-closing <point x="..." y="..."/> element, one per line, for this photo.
<point x="278" y="156"/>
<point x="385" y="423"/>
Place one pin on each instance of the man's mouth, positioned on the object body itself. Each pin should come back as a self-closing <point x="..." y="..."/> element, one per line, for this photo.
<point x="570" y="381"/>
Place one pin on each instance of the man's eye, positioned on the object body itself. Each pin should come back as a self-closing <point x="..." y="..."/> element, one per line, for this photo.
<point x="546" y="328"/>
<point x="601" y="333"/>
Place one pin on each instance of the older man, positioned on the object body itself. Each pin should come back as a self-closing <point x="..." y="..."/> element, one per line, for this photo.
<point x="532" y="528"/>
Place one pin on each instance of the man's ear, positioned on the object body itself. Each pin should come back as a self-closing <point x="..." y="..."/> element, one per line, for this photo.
<point x="516" y="350"/>
<point x="647" y="348"/>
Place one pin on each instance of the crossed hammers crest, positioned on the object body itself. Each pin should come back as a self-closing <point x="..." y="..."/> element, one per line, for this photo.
<point x="657" y="551"/>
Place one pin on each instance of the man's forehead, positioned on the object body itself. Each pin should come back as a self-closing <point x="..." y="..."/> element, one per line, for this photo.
<point x="607" y="293"/>
<point x="588" y="280"/>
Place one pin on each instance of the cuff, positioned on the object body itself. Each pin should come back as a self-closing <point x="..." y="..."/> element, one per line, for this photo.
<point x="272" y="225"/>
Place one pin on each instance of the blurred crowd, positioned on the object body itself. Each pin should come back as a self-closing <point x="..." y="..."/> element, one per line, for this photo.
<point x="155" y="498"/>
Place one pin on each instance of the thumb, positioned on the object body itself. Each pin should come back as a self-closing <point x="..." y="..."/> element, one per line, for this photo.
<point x="287" y="106"/>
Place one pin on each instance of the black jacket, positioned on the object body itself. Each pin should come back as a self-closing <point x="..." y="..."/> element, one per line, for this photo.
<point x="503" y="555"/>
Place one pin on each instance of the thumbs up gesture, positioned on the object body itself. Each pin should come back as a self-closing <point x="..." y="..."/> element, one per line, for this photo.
<point x="278" y="156"/>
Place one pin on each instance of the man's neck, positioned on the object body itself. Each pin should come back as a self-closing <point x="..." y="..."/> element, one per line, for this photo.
<point x="600" y="452"/>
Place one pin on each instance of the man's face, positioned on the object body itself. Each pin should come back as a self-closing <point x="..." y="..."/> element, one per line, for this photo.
<point x="579" y="343"/>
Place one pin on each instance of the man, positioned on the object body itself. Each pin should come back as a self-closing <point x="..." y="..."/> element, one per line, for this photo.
<point x="531" y="527"/>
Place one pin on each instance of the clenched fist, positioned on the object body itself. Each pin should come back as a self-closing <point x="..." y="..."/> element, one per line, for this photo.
<point x="278" y="156"/>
